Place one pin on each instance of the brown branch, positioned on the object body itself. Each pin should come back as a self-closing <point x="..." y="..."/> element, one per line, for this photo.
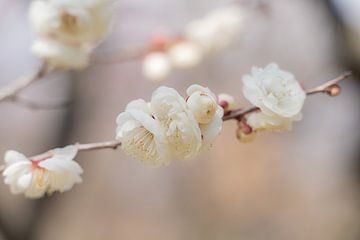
<point x="14" y="88"/>
<point x="324" y="88"/>
<point x="100" y="145"/>
<point x="330" y="87"/>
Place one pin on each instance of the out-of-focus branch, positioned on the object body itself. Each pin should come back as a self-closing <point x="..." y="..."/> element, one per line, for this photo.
<point x="39" y="105"/>
<point x="330" y="87"/>
<point x="124" y="55"/>
<point x="14" y="88"/>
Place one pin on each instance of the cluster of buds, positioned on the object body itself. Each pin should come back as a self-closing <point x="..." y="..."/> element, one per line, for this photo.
<point x="201" y="37"/>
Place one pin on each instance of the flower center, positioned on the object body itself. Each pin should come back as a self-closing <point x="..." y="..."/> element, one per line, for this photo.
<point x="69" y="22"/>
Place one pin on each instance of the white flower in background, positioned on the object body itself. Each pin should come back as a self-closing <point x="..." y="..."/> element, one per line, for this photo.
<point x="185" y="54"/>
<point x="274" y="91"/>
<point x="54" y="171"/>
<point x="156" y="66"/>
<point x="141" y="136"/>
<point x="227" y="102"/>
<point x="60" y="55"/>
<point x="181" y="129"/>
<point x="77" y="25"/>
<point x="217" y="29"/>
<point x="202" y="103"/>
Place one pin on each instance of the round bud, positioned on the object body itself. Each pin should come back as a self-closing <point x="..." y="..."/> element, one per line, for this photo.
<point x="156" y="66"/>
<point x="202" y="106"/>
<point x="334" y="90"/>
<point x="244" y="137"/>
<point x="227" y="102"/>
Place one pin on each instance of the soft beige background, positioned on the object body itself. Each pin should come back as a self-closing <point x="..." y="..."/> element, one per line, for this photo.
<point x="300" y="185"/>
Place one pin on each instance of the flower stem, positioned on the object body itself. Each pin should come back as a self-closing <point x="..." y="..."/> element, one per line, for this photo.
<point x="100" y="145"/>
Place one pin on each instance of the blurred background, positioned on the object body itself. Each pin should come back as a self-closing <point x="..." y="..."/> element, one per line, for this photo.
<point x="298" y="185"/>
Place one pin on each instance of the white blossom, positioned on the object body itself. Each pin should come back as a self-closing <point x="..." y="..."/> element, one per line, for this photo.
<point x="274" y="91"/>
<point x="73" y="25"/>
<point x="156" y="66"/>
<point x="181" y="129"/>
<point x="60" y="55"/>
<point x="217" y="29"/>
<point x="54" y="171"/>
<point x="203" y="104"/>
<point x="185" y="54"/>
<point x="141" y="135"/>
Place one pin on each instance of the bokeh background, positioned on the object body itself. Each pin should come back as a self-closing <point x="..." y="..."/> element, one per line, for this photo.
<point x="298" y="185"/>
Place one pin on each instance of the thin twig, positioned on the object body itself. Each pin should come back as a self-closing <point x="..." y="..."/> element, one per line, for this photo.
<point x="325" y="87"/>
<point x="99" y="145"/>
<point x="238" y="114"/>
<point x="39" y="106"/>
<point x="14" y="88"/>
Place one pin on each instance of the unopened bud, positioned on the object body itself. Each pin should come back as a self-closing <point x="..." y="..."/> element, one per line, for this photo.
<point x="245" y="127"/>
<point x="245" y="137"/>
<point x="202" y="106"/>
<point x="159" y="42"/>
<point x="227" y="102"/>
<point x="334" y="90"/>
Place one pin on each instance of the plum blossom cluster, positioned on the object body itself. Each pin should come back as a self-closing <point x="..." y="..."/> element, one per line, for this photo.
<point x="53" y="171"/>
<point x="202" y="37"/>
<point x="67" y="31"/>
<point x="277" y="95"/>
<point x="169" y="125"/>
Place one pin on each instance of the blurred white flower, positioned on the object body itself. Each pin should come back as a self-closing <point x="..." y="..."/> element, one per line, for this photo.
<point x="202" y="103"/>
<point x="76" y="25"/>
<point x="259" y="121"/>
<point x="227" y="102"/>
<point x="60" y="55"/>
<point x="141" y="135"/>
<point x="156" y="66"/>
<point x="274" y="91"/>
<point x="185" y="54"/>
<point x="54" y="171"/>
<point x="217" y="29"/>
<point x="182" y="130"/>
